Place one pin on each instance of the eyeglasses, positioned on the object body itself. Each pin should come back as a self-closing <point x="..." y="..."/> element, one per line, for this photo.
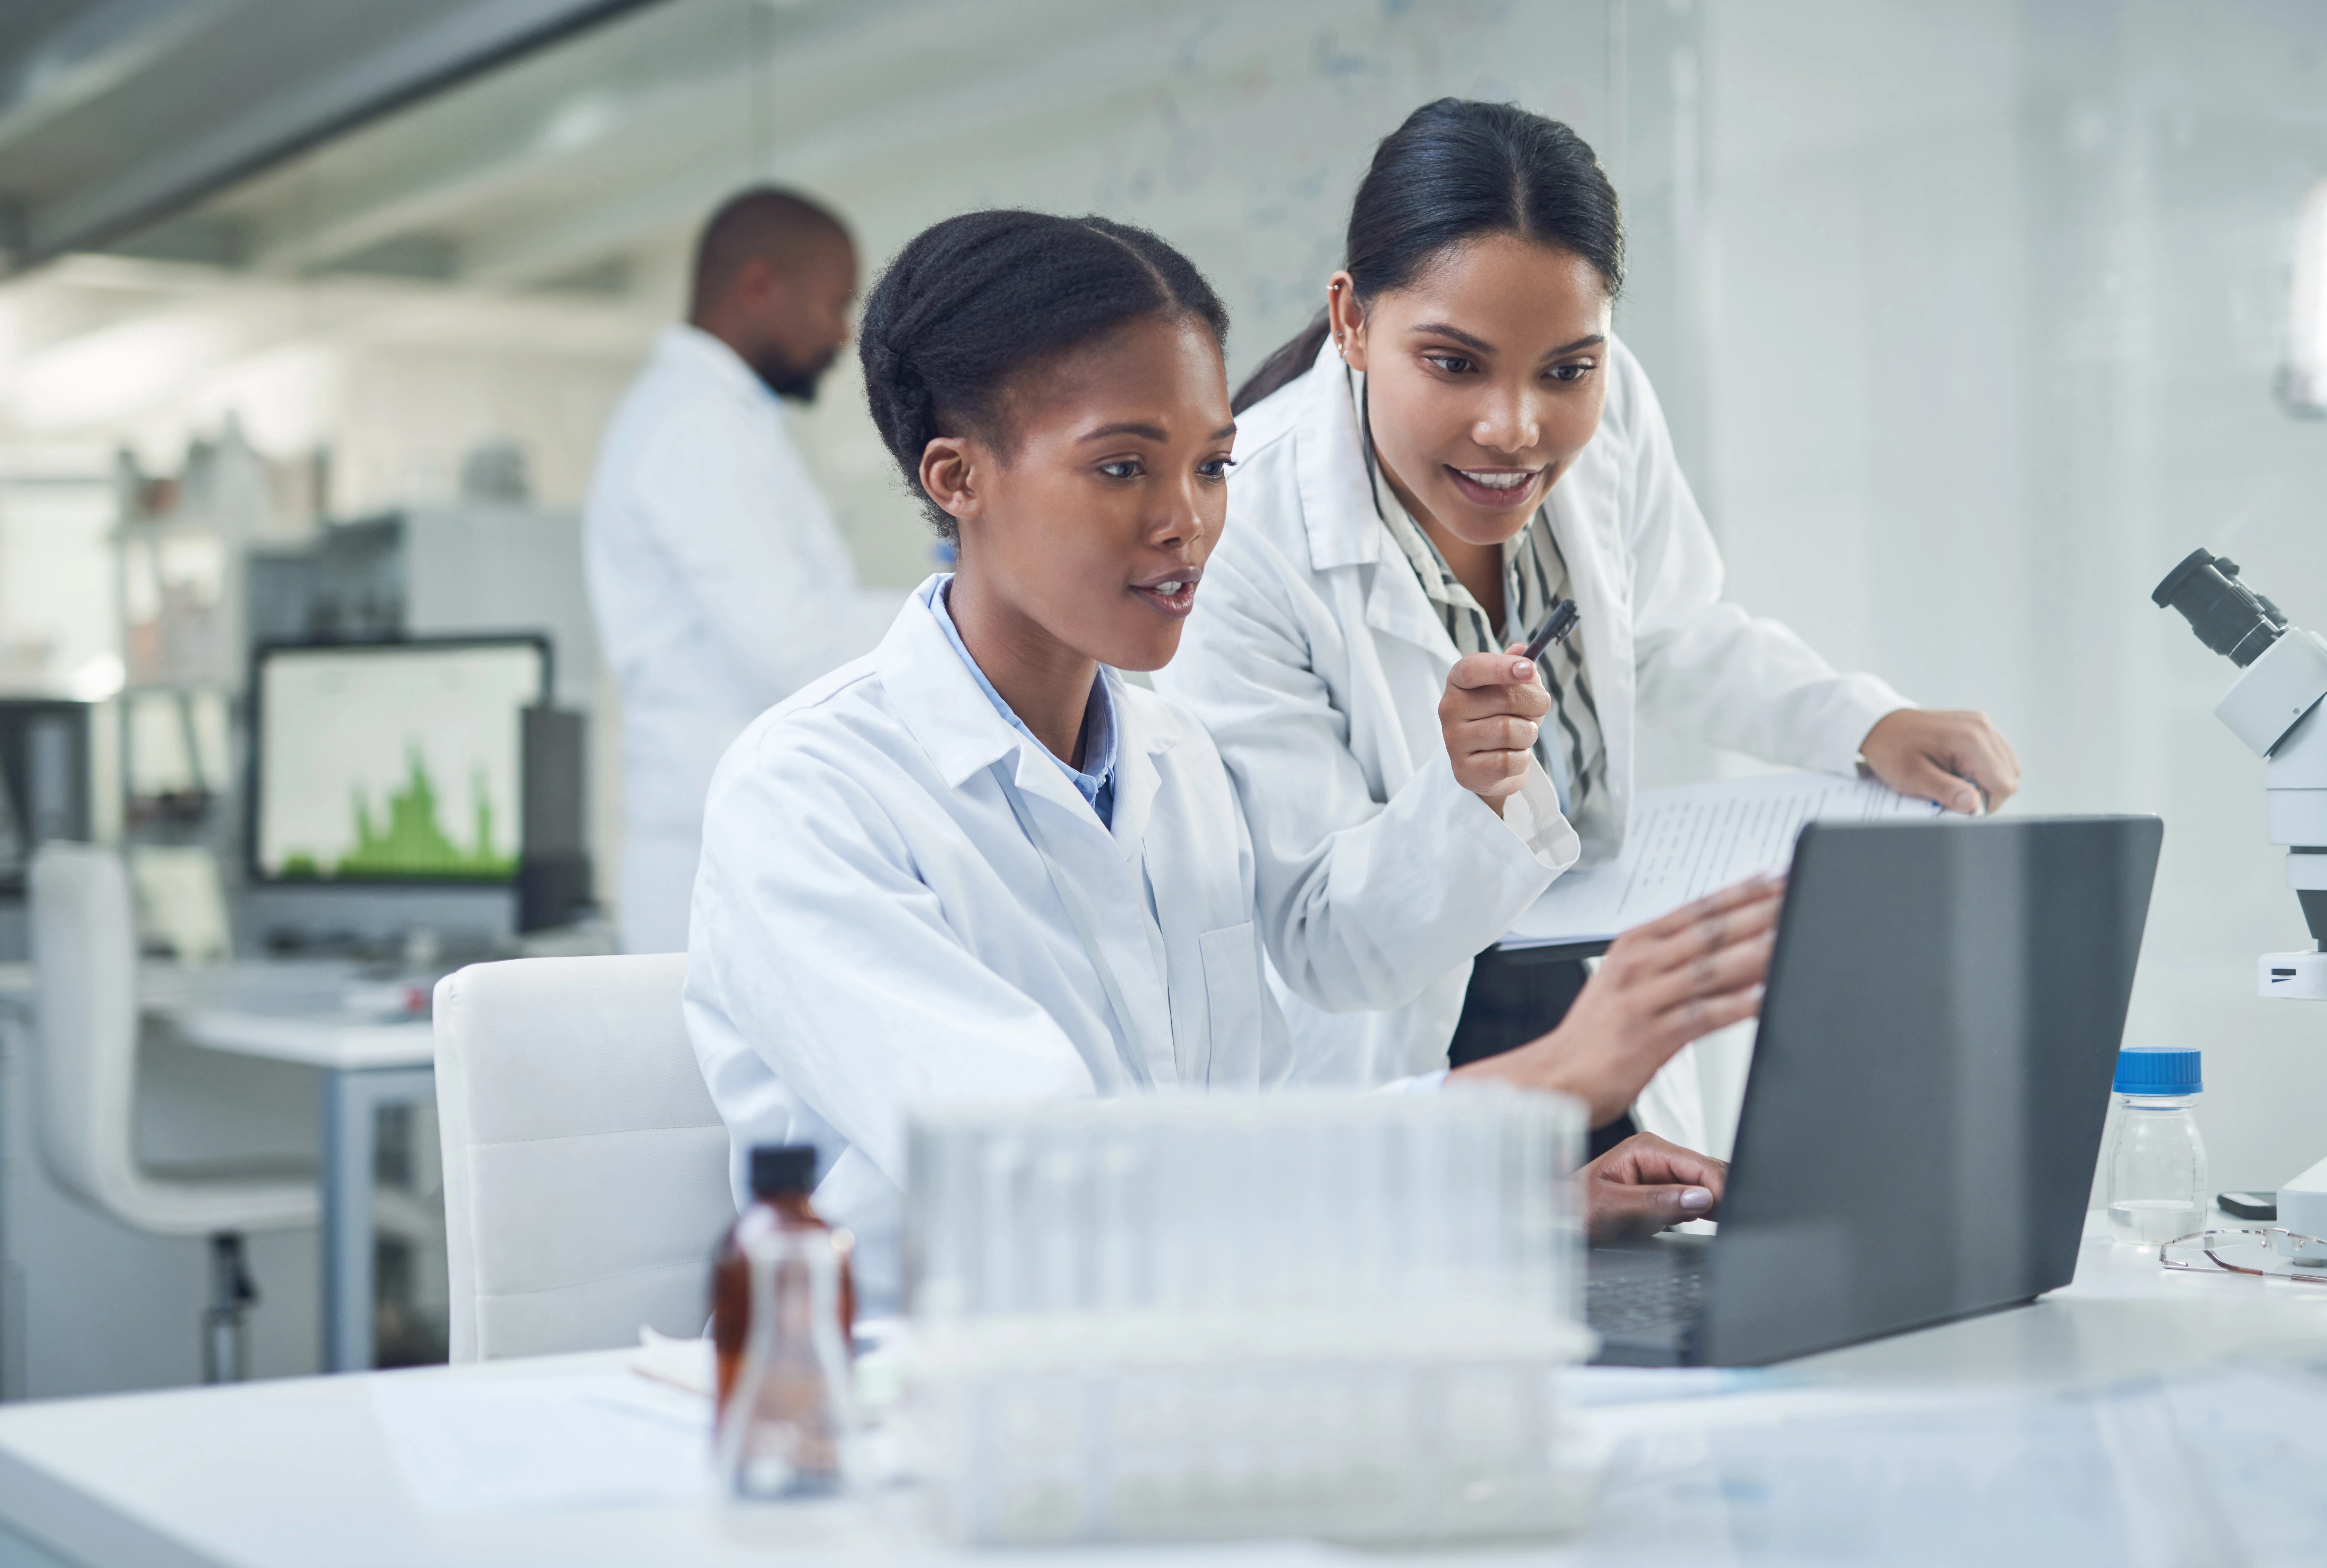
<point x="2269" y="1250"/>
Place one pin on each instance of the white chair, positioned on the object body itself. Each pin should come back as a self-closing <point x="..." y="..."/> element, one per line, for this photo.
<point x="84" y="940"/>
<point x="585" y="1168"/>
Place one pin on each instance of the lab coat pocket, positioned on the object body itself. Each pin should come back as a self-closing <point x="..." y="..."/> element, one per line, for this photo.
<point x="1232" y="985"/>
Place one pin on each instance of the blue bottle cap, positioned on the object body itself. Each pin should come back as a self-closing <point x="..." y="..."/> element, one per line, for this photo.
<point x="2158" y="1072"/>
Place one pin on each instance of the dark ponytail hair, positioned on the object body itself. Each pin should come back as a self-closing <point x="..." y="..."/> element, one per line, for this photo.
<point x="1457" y="170"/>
<point x="971" y="302"/>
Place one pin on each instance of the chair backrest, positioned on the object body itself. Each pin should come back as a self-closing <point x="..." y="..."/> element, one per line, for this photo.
<point x="84" y="941"/>
<point x="585" y="1167"/>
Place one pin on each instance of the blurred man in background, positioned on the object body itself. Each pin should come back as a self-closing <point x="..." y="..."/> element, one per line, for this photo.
<point x="719" y="580"/>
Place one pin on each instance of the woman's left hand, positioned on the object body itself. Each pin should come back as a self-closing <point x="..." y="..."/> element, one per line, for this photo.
<point x="1644" y="1184"/>
<point x="1956" y="759"/>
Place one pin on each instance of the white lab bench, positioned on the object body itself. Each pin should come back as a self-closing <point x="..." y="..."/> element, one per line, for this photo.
<point x="299" y="1471"/>
<point x="292" y="1012"/>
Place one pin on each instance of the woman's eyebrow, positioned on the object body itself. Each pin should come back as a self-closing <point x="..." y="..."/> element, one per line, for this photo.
<point x="1481" y="345"/>
<point x="1441" y="330"/>
<point x="1150" y="432"/>
<point x="1594" y="341"/>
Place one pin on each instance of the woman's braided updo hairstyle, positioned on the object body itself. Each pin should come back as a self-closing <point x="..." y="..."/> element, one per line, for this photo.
<point x="972" y="301"/>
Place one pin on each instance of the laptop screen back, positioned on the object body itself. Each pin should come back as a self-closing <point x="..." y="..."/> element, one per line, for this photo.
<point x="1930" y="1078"/>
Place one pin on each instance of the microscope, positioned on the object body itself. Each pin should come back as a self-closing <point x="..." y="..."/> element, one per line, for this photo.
<point x="2275" y="707"/>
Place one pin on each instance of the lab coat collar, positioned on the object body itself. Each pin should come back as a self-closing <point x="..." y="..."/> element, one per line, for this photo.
<point x="1337" y="506"/>
<point x="689" y="348"/>
<point x="935" y="697"/>
<point x="1331" y="460"/>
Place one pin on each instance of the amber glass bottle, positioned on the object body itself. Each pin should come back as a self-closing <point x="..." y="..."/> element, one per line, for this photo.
<point x="783" y="1175"/>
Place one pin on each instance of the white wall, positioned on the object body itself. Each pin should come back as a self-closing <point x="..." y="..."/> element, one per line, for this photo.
<point x="1998" y="294"/>
<point x="1239" y="133"/>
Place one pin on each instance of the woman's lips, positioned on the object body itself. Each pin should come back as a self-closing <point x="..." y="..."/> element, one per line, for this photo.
<point x="1172" y="596"/>
<point x="1498" y="494"/>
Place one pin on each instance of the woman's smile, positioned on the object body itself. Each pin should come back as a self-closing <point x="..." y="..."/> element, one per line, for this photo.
<point x="1496" y="487"/>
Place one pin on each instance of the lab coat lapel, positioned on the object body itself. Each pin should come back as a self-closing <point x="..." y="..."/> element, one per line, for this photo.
<point x="1115" y="893"/>
<point x="1137" y="778"/>
<point x="936" y="698"/>
<point x="1337" y="505"/>
<point x="1138" y="781"/>
<point x="1597" y="572"/>
<point x="934" y="695"/>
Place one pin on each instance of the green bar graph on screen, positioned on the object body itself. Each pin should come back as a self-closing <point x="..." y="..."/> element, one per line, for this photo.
<point x="412" y="843"/>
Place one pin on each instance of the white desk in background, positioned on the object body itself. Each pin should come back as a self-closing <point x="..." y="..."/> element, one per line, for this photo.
<point x="296" y="1011"/>
<point x="303" y="1471"/>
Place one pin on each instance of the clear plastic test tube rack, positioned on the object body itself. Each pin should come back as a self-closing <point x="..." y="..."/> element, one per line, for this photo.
<point x="1190" y="1316"/>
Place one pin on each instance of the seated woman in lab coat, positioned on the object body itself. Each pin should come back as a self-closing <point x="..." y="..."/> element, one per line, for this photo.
<point x="979" y="863"/>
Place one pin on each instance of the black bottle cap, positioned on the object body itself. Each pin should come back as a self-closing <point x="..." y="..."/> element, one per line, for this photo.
<point x="780" y="1168"/>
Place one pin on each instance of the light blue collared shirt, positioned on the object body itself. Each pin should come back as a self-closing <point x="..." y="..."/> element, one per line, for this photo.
<point x="1096" y="786"/>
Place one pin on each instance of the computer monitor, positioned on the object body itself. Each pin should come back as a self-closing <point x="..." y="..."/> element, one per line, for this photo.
<point x="392" y="762"/>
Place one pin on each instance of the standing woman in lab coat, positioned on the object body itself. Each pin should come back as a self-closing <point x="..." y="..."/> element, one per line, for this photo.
<point x="1458" y="443"/>
<point x="977" y="863"/>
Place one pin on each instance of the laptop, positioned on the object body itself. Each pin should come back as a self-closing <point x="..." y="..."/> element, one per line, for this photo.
<point x="1926" y="1102"/>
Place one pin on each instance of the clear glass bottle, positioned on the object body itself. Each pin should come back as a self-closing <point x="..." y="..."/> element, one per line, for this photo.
<point x="781" y="1309"/>
<point x="2157" y="1160"/>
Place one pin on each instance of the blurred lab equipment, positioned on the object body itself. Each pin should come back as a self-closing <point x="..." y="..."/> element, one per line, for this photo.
<point x="2274" y="707"/>
<point x="45" y="795"/>
<point x="786" y="1417"/>
<point x="180" y="902"/>
<point x="495" y="474"/>
<point x="85" y="948"/>
<point x="783" y="1176"/>
<point x="1228" y="1315"/>
<point x="2157" y="1160"/>
<point x="1996" y="953"/>
<point x="421" y="574"/>
<point x="560" y="1076"/>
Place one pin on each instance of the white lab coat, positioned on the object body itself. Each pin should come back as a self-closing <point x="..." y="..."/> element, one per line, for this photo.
<point x="721" y="585"/>
<point x="873" y="927"/>
<point x="1317" y="663"/>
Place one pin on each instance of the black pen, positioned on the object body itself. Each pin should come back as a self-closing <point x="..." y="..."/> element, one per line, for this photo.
<point x="1554" y="628"/>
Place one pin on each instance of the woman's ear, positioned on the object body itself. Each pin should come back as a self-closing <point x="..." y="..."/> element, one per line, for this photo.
<point x="1346" y="319"/>
<point x="949" y="475"/>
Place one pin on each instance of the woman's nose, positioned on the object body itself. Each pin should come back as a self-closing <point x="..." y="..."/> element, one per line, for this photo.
<point x="1509" y="423"/>
<point x="1182" y="520"/>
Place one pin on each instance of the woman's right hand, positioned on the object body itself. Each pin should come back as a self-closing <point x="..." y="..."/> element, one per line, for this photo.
<point x="1488" y="715"/>
<point x="1660" y="986"/>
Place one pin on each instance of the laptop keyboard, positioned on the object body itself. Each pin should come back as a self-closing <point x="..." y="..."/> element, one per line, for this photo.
<point x="1623" y="1308"/>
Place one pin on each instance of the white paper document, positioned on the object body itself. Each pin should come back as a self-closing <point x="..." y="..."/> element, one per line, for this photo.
<point x="1686" y="842"/>
<point x="524" y="1444"/>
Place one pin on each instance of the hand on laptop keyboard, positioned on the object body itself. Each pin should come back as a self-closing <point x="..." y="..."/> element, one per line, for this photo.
<point x="1644" y="1184"/>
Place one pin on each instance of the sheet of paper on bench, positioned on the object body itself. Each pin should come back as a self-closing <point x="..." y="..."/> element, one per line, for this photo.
<point x="1686" y="842"/>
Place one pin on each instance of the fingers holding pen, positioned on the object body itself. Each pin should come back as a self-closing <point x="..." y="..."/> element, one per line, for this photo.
<point x="1490" y="717"/>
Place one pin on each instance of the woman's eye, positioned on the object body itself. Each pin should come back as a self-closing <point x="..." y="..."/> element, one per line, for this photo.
<point x="1452" y="364"/>
<point x="1575" y="372"/>
<point x="1215" y="467"/>
<point x="1121" y="468"/>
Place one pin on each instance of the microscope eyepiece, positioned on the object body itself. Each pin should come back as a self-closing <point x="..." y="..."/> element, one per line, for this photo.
<point x="2228" y="616"/>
